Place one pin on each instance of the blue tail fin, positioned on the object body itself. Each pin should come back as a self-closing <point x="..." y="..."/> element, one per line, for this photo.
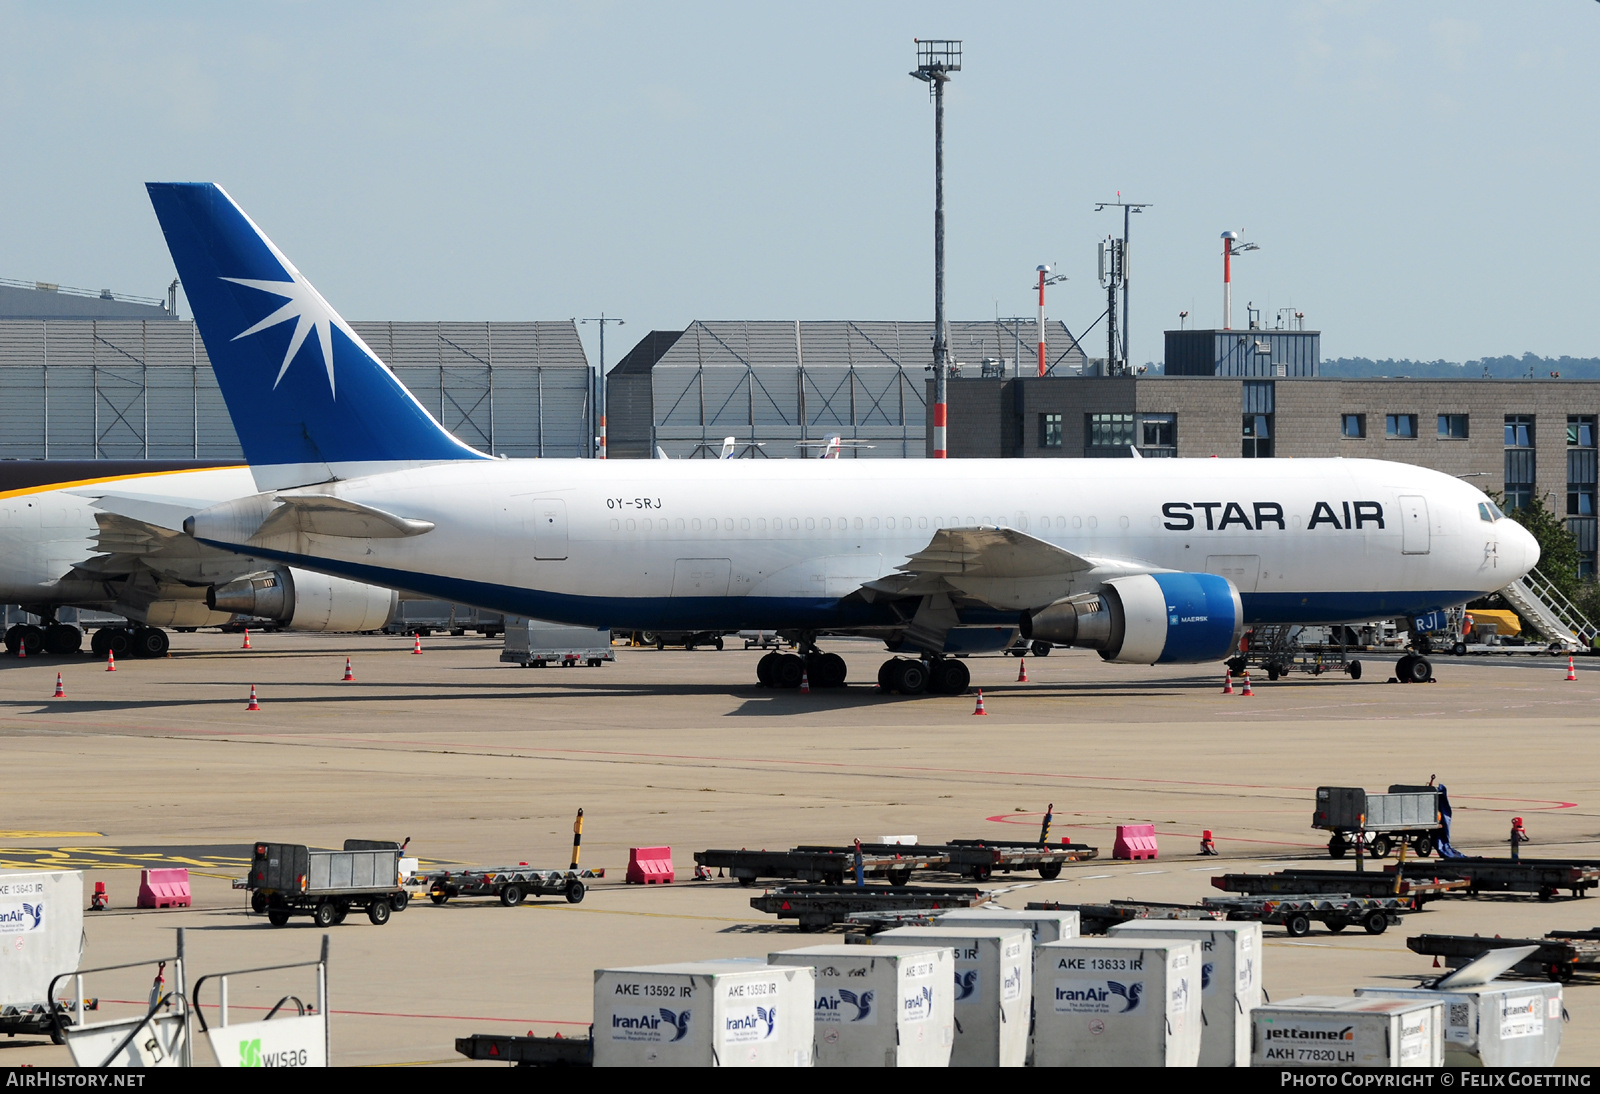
<point x="309" y="400"/>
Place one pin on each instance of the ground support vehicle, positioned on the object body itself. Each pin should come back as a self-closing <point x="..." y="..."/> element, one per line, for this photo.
<point x="1296" y="912"/>
<point x="1100" y="918"/>
<point x="764" y="640"/>
<point x="1545" y="877"/>
<point x="1419" y="889"/>
<point x="533" y="643"/>
<point x="830" y="867"/>
<point x="975" y="859"/>
<point x="530" y="1051"/>
<point x="1407" y="814"/>
<point x="1281" y="649"/>
<point x="288" y="879"/>
<point x="509" y="883"/>
<point x="39" y="1020"/>
<point x="819" y="906"/>
<point x="1560" y="956"/>
<point x="687" y="639"/>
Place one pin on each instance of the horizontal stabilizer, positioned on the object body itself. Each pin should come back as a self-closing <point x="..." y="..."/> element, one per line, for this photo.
<point x="325" y="515"/>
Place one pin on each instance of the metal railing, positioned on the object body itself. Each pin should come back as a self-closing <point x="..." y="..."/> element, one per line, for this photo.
<point x="97" y="294"/>
<point x="1548" y="610"/>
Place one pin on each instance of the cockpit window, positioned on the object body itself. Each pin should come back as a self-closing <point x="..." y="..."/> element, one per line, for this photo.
<point x="1488" y="511"/>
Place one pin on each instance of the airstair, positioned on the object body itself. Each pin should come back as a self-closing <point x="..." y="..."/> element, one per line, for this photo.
<point x="1543" y="606"/>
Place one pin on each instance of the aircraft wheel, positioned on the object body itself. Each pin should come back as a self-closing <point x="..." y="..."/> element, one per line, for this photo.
<point x="1402" y="668"/>
<point x="25" y="635"/>
<point x="150" y="642"/>
<point x="1354" y="670"/>
<point x="1420" y="671"/>
<point x="1040" y="649"/>
<point x="827" y="670"/>
<point x="789" y="669"/>
<point x="767" y="670"/>
<point x="886" y="674"/>
<point x="62" y="639"/>
<point x="910" y="677"/>
<point x="950" y="677"/>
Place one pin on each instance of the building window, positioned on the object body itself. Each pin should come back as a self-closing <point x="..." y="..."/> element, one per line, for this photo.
<point x="1110" y="430"/>
<point x="1521" y="468"/>
<point x="1049" y="431"/>
<point x="1400" y="425"/>
<point x="1158" y="435"/>
<point x="1453" y="426"/>
<point x="1257" y="437"/>
<point x="1353" y="425"/>
<point x="1581" y="480"/>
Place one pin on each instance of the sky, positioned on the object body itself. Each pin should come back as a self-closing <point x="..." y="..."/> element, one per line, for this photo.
<point x="1420" y="177"/>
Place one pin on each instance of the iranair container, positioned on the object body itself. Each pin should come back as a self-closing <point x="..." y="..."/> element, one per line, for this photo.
<point x="1117" y="1002"/>
<point x="991" y="978"/>
<point x="880" y="1006"/>
<point x="1046" y="926"/>
<point x="1230" y="980"/>
<point x="41" y="933"/>
<point x="1338" y="1031"/>
<point x="1489" y="1022"/>
<point x="703" y="1014"/>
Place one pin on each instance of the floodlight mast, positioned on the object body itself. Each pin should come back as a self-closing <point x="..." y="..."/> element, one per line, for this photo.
<point x="600" y="391"/>
<point x="936" y="59"/>
<point x="1230" y="247"/>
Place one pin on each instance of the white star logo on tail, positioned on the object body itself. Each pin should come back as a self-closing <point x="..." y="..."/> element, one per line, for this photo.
<point x="305" y="305"/>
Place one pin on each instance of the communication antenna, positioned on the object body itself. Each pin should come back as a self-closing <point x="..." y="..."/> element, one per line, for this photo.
<point x="1112" y="255"/>
<point x="1127" y="208"/>
<point x="937" y="58"/>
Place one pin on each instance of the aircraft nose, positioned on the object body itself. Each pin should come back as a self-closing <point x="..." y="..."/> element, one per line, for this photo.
<point x="1518" y="547"/>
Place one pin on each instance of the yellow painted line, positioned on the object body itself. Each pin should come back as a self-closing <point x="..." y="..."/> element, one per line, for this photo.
<point x="20" y="834"/>
<point x="45" y="488"/>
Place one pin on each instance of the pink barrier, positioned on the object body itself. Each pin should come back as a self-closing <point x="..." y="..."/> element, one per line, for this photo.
<point x="164" y="888"/>
<point x="649" y="866"/>
<point x="1135" y="841"/>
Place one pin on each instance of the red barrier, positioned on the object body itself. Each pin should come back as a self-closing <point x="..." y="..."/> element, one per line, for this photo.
<point x="1135" y="841"/>
<point x="649" y="866"/>
<point x="164" y="888"/>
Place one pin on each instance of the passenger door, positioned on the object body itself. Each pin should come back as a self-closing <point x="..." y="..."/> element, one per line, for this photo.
<point x="1414" y="533"/>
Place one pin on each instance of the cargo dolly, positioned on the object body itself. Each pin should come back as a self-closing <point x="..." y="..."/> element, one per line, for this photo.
<point x="1100" y="918"/>
<point x="975" y="859"/>
<point x="1545" y="877"/>
<point x="510" y="883"/>
<point x="828" y="867"/>
<point x="1560" y="956"/>
<point x="530" y="1051"/>
<point x="1378" y="822"/>
<point x="1296" y="912"/>
<point x="39" y="1020"/>
<point x="1292" y="882"/>
<point x="288" y="879"/>
<point x="818" y="906"/>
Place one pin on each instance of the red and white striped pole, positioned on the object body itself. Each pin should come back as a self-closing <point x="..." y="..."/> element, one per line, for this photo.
<point x="1043" y="270"/>
<point x="1227" y="278"/>
<point x="938" y="431"/>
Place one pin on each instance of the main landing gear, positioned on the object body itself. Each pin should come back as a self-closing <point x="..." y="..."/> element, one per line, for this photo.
<point x="913" y="676"/>
<point x="130" y="642"/>
<point x="1413" y="669"/>
<point x="53" y="638"/>
<point x="784" y="670"/>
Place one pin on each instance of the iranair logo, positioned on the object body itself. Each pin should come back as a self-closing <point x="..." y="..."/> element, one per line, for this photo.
<point x="1298" y="1033"/>
<point x="21" y="917"/>
<point x="310" y="312"/>
<point x="918" y="1007"/>
<point x="862" y="1003"/>
<point x="662" y="1025"/>
<point x="1205" y="977"/>
<point x="1098" y="996"/>
<point x="967" y="986"/>
<point x="750" y="1023"/>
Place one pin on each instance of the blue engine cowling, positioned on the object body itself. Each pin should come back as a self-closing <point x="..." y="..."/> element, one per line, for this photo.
<point x="1147" y="619"/>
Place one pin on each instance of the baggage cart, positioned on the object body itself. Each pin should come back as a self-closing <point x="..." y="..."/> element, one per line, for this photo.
<point x="1296" y="912"/>
<point x="1419" y="889"/>
<point x="1543" y="877"/>
<point x="975" y="859"/>
<point x="288" y="879"/>
<point x="530" y="1051"/>
<point x="819" y="906"/>
<point x="1560" y="956"/>
<point x="1380" y="822"/>
<point x="509" y="883"/>
<point x="828" y="867"/>
<point x="533" y="644"/>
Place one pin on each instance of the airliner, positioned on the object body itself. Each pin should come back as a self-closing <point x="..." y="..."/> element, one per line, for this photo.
<point x="1145" y="561"/>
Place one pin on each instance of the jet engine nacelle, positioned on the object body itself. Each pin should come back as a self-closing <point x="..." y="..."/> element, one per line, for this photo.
<point x="302" y="600"/>
<point x="1147" y="619"/>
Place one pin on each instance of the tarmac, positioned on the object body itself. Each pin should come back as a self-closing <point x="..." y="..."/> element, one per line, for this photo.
<point x="479" y="762"/>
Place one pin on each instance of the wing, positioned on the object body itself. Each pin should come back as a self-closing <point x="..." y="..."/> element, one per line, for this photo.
<point x="324" y="514"/>
<point x="847" y="996"/>
<point x="1116" y="988"/>
<point x="1000" y="567"/>
<point x="668" y="1017"/>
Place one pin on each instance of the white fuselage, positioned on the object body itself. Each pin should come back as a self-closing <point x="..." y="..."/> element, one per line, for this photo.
<point x="777" y="544"/>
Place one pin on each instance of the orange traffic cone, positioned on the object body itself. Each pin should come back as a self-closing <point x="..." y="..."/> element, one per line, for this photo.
<point x="246" y="639"/>
<point x="349" y="677"/>
<point x="1207" y="845"/>
<point x="1227" y="682"/>
<point x="111" y="661"/>
<point x="22" y="649"/>
<point x="980" y="709"/>
<point x="805" y="682"/>
<point x="61" y="692"/>
<point x="416" y="647"/>
<point x="1247" y="692"/>
<point x="1022" y="670"/>
<point x="253" y="704"/>
<point x="1572" y="670"/>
